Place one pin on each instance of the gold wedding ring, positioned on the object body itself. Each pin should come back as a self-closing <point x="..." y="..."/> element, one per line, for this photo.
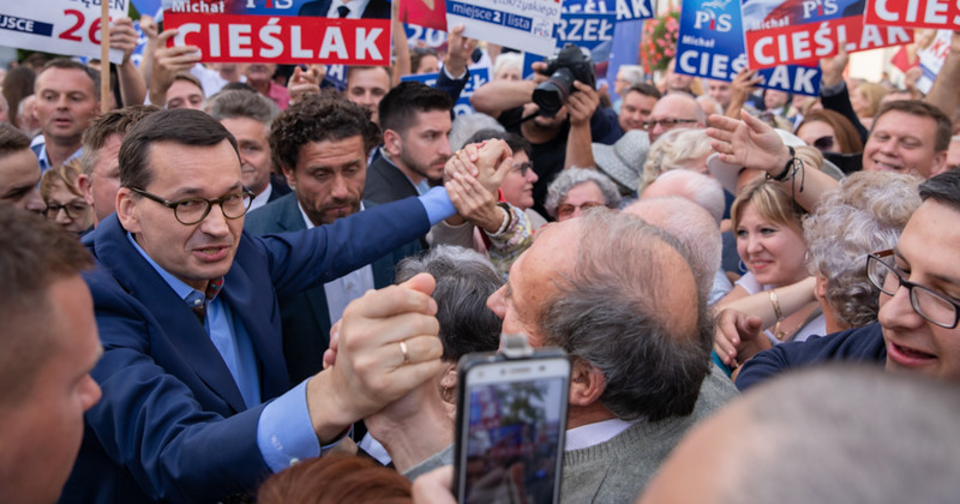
<point x="404" y="353"/>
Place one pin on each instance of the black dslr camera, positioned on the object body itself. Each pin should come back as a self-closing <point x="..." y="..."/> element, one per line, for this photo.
<point x="569" y="65"/>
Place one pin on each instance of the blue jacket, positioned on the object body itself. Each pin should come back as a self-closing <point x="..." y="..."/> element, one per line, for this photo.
<point x="861" y="344"/>
<point x="172" y="425"/>
<point x="305" y="316"/>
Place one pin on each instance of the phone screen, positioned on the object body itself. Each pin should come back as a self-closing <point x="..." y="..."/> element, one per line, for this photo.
<point x="516" y="418"/>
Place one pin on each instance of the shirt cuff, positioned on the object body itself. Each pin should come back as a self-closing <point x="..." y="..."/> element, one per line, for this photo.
<point x="285" y="433"/>
<point x="834" y="89"/>
<point x="451" y="77"/>
<point x="437" y="204"/>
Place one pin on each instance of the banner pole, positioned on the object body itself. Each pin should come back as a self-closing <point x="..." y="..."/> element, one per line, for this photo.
<point x="104" y="56"/>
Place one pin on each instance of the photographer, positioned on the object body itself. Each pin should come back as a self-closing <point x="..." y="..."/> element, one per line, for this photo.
<point x="560" y="141"/>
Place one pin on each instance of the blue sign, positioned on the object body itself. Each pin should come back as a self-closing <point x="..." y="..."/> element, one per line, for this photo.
<point x="711" y="44"/>
<point x="478" y="77"/>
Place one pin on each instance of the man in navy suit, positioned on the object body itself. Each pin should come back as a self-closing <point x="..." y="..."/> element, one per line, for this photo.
<point x="248" y="116"/>
<point x="197" y="403"/>
<point x="350" y="9"/>
<point x="321" y="145"/>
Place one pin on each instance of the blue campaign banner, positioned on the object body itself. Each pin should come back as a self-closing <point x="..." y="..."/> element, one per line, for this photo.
<point x="478" y="77"/>
<point x="626" y="10"/>
<point x="147" y="7"/>
<point x="711" y="44"/>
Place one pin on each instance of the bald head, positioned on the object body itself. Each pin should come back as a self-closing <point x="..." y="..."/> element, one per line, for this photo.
<point x="792" y="441"/>
<point x="703" y="190"/>
<point x="692" y="226"/>
<point x="675" y="110"/>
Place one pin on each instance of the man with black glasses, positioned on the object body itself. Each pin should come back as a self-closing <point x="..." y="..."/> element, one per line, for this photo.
<point x="919" y="288"/>
<point x="197" y="402"/>
<point x="675" y="110"/>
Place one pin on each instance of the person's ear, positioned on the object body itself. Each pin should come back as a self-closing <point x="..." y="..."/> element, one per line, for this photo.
<point x="587" y="383"/>
<point x="448" y="383"/>
<point x="939" y="164"/>
<point x="820" y="290"/>
<point x="392" y="142"/>
<point x="127" y="210"/>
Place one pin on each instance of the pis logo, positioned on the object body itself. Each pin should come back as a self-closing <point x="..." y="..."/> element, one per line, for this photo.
<point x="711" y="21"/>
<point x="271" y="4"/>
<point x="819" y="8"/>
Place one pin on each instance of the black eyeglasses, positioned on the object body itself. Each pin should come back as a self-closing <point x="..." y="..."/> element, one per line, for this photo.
<point x="666" y="123"/>
<point x="74" y="209"/>
<point x="523" y="167"/>
<point x="193" y="210"/>
<point x="824" y="143"/>
<point x="932" y="306"/>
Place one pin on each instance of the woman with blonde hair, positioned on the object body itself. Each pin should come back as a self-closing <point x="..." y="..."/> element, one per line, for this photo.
<point x="65" y="203"/>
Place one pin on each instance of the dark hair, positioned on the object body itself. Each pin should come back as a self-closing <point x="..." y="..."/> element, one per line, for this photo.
<point x="644" y="88"/>
<point x="17" y="85"/>
<point x="181" y="126"/>
<point x="233" y="104"/>
<point x="69" y="64"/>
<point x="238" y="86"/>
<point x="921" y="109"/>
<point x="399" y="108"/>
<point x="333" y="479"/>
<point x="12" y="140"/>
<point x="611" y="312"/>
<point x="115" y="122"/>
<point x="516" y="142"/>
<point x="848" y="139"/>
<point x="943" y="188"/>
<point x="416" y="57"/>
<point x="352" y="69"/>
<point x="465" y="279"/>
<point x="38" y="254"/>
<point x="318" y="118"/>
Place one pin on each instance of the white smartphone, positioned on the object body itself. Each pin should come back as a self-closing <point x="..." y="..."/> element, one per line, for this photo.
<point x="511" y="420"/>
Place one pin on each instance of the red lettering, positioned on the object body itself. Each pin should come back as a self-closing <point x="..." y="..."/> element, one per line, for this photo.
<point x="70" y="33"/>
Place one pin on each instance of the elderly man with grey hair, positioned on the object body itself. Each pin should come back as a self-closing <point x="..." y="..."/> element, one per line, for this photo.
<point x="697" y="231"/>
<point x="248" y="117"/>
<point x="578" y="189"/>
<point x="624" y="303"/>
<point x="703" y="190"/>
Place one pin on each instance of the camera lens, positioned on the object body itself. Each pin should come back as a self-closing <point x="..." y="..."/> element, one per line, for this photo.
<point x="551" y="94"/>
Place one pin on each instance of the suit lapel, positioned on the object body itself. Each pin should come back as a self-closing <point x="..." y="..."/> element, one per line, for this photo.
<point x="291" y="219"/>
<point x="172" y="315"/>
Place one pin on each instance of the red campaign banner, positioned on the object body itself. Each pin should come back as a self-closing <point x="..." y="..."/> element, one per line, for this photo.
<point x="801" y="44"/>
<point x="224" y="38"/>
<point x="940" y="14"/>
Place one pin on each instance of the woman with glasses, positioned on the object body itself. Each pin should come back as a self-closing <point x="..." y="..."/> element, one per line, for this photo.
<point x="866" y="214"/>
<point x="65" y="204"/>
<point x="830" y="131"/>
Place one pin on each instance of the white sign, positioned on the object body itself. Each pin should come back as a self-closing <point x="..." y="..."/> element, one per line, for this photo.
<point x="931" y="59"/>
<point x="527" y="24"/>
<point x="70" y="27"/>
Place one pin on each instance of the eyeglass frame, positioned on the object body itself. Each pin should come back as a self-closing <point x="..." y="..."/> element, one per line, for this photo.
<point x="219" y="201"/>
<point x="911" y="289"/>
<point x="666" y="123"/>
<point x="825" y="142"/>
<point x="523" y="167"/>
<point x="55" y="209"/>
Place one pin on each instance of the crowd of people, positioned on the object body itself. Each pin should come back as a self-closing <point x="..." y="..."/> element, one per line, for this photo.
<point x="245" y="282"/>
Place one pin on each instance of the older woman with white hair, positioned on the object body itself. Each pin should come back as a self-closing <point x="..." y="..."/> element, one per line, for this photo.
<point x="865" y="214"/>
<point x="677" y="149"/>
<point x="577" y="189"/>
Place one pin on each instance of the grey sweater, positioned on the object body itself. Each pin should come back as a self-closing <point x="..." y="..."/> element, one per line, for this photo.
<point x="618" y="470"/>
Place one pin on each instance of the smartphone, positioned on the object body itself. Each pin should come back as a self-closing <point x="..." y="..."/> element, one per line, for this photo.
<point x="511" y="420"/>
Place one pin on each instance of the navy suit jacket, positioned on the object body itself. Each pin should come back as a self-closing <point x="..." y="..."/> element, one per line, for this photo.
<point x="305" y="316"/>
<point x="376" y="9"/>
<point x="386" y="183"/>
<point x="279" y="188"/>
<point x="172" y="425"/>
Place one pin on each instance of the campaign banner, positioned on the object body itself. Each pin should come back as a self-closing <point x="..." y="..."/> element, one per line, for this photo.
<point x="70" y="27"/>
<point x="626" y="10"/>
<point x="281" y="31"/>
<point x="478" y="77"/>
<point x="931" y="59"/>
<point x="938" y="14"/>
<point x="281" y="39"/>
<point x="425" y="13"/>
<point x="710" y="44"/>
<point x="526" y="24"/>
<point x="418" y="36"/>
<point x="781" y="32"/>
